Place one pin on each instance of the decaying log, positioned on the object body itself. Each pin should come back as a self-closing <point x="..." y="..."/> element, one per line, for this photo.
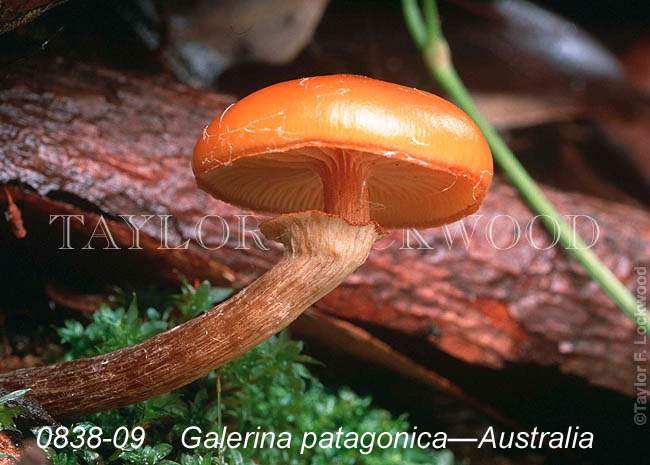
<point x="79" y="139"/>
<point x="340" y="335"/>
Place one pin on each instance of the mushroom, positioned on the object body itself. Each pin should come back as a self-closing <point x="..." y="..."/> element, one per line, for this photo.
<point x="338" y="158"/>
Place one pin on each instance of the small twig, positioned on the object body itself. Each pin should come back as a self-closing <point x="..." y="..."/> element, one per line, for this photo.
<point x="14" y="217"/>
<point x="427" y="35"/>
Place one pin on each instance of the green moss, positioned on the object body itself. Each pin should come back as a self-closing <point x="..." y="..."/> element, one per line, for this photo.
<point x="268" y="389"/>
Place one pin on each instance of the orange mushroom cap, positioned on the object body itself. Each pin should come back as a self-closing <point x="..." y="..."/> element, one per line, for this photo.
<point x="427" y="163"/>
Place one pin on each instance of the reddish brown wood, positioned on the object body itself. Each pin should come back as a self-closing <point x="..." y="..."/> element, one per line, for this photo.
<point x="83" y="139"/>
<point x="340" y="335"/>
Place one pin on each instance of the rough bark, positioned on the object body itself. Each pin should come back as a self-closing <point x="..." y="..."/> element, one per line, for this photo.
<point x="83" y="139"/>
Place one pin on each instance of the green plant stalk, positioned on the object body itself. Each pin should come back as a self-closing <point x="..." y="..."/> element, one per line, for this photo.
<point x="428" y="36"/>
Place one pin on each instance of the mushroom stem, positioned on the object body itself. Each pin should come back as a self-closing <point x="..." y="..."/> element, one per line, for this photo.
<point x="320" y="251"/>
<point x="345" y="190"/>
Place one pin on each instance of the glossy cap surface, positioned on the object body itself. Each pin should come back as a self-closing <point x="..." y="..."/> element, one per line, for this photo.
<point x="427" y="162"/>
